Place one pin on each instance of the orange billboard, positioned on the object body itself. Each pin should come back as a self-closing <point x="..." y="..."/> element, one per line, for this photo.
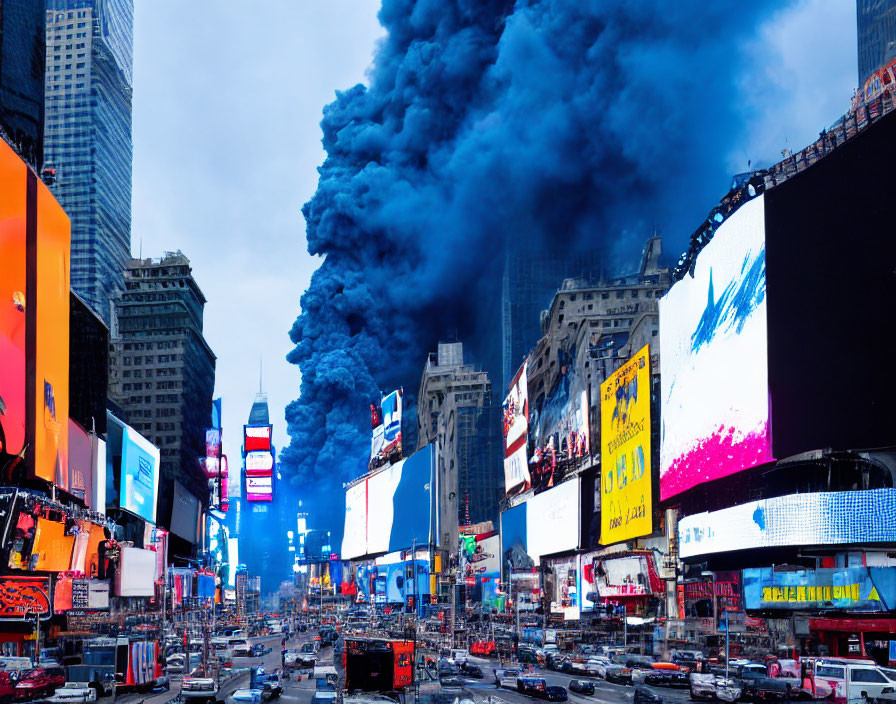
<point x="12" y="301"/>
<point x="35" y="244"/>
<point x="49" y="240"/>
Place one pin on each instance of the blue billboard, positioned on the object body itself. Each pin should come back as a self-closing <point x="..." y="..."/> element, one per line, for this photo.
<point x="866" y="589"/>
<point x="139" y="475"/>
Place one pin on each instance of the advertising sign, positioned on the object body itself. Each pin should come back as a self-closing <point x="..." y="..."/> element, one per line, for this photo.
<point x="184" y="513"/>
<point x="259" y="488"/>
<point x="257" y="437"/>
<point x="392" y="423"/>
<point x="565" y="595"/>
<point x="825" y="518"/>
<point x="139" y="475"/>
<point x="80" y="462"/>
<point x="716" y="423"/>
<point x="552" y="520"/>
<point x="867" y="589"/>
<point x="629" y="575"/>
<point x="23" y="597"/>
<point x="515" y="426"/>
<point x="259" y="464"/>
<point x="213" y="442"/>
<point x="12" y="301"/>
<point x="480" y="561"/>
<point x="626" y="501"/>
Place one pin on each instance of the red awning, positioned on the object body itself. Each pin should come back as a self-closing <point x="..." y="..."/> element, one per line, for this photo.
<point x="866" y="625"/>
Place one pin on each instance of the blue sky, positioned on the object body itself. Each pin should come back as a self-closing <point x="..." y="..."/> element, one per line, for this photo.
<point x="227" y="100"/>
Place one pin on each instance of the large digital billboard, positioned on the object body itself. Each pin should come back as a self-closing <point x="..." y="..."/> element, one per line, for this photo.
<point x="12" y="301"/>
<point x="867" y="589"/>
<point x="714" y="362"/>
<point x="139" y="475"/>
<point x="259" y="464"/>
<point x="515" y="426"/>
<point x="257" y="437"/>
<point x="259" y="488"/>
<point x="552" y="520"/>
<point x="184" y="513"/>
<point x="390" y="509"/>
<point x="626" y="499"/>
<point x="825" y="518"/>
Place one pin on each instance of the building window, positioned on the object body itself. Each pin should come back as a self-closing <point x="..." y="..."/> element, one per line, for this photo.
<point x="634" y="294"/>
<point x="620" y="294"/>
<point x="605" y="296"/>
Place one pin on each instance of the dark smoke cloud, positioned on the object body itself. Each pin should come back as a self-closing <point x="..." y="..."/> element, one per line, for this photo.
<point x="568" y="123"/>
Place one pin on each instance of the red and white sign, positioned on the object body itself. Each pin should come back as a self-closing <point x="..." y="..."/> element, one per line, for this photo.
<point x="257" y="437"/>
<point x="259" y="488"/>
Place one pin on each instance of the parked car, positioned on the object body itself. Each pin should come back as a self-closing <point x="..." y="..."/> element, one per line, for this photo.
<point x="645" y="696"/>
<point x="74" y="693"/>
<point x="506" y="678"/>
<point x="39" y="682"/>
<point x="581" y="686"/>
<point x="597" y="665"/>
<point x="556" y="693"/>
<point x="619" y="674"/>
<point x="198" y="686"/>
<point x="471" y="670"/>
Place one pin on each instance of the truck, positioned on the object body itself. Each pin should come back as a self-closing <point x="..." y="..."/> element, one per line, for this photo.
<point x="119" y="663"/>
<point x="378" y="664"/>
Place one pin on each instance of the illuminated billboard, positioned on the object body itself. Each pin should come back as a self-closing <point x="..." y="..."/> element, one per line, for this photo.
<point x="185" y="513"/>
<point x="259" y="488"/>
<point x="552" y="520"/>
<point x="825" y="518"/>
<point x="139" y="475"/>
<point x="257" y="437"/>
<point x="867" y="589"/>
<point x="389" y="509"/>
<point x="626" y="501"/>
<point x="716" y="420"/>
<point x="515" y="426"/>
<point x="259" y="464"/>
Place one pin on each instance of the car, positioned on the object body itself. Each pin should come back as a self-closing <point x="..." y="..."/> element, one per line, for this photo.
<point x="74" y="693"/>
<point x="556" y="693"/>
<point x="619" y="674"/>
<point x="273" y="687"/>
<point x="471" y="670"/>
<point x="198" y="686"/>
<point x="581" y="686"/>
<point x="8" y="684"/>
<point x="39" y="682"/>
<point x="597" y="665"/>
<point x="645" y="696"/>
<point x="246" y="696"/>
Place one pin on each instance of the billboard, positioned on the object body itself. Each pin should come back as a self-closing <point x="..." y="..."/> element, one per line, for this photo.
<point x="184" y="514"/>
<point x="565" y="598"/>
<point x="626" y="499"/>
<point x="715" y="422"/>
<point x="80" y="462"/>
<point x="552" y="520"/>
<point x="867" y="589"/>
<point x="259" y="463"/>
<point x="259" y="488"/>
<point x="825" y="518"/>
<point x="257" y="437"/>
<point x="139" y="475"/>
<point x="401" y="495"/>
<point x="515" y="426"/>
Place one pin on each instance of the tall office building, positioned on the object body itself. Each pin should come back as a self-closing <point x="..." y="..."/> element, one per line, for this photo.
<point x="532" y="274"/>
<point x="876" y="28"/>
<point x="456" y="409"/>
<point x="22" y="55"/>
<point x="162" y="371"/>
<point x="87" y="137"/>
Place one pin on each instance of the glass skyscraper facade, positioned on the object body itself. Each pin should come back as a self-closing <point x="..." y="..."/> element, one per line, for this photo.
<point x="876" y="27"/>
<point x="87" y="137"/>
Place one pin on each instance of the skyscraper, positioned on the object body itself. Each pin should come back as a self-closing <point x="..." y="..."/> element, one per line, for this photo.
<point x="22" y="55"/>
<point x="87" y="137"/>
<point x="162" y="371"/>
<point x="876" y="28"/>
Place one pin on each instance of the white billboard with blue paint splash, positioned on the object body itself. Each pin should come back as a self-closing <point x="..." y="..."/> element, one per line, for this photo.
<point x="714" y="359"/>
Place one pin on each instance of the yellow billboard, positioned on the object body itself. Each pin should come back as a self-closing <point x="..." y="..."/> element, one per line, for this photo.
<point x="626" y="498"/>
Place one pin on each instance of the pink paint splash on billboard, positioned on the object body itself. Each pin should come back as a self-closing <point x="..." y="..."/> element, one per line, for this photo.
<point x="722" y="453"/>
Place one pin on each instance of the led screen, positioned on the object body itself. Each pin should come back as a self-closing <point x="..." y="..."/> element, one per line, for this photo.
<point x="715" y="422"/>
<point x="626" y="489"/>
<point x="399" y="501"/>
<point x="257" y="437"/>
<point x="552" y="520"/>
<point x="259" y="464"/>
<point x="80" y="462"/>
<point x="184" y="513"/>
<point x="139" y="475"/>
<point x="391" y="423"/>
<point x="136" y="573"/>
<point x="515" y="426"/>
<point x="827" y="518"/>
<point x="867" y="589"/>
<point x="259" y="488"/>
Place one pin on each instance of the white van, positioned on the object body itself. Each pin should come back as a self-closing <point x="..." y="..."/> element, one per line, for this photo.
<point x="849" y="681"/>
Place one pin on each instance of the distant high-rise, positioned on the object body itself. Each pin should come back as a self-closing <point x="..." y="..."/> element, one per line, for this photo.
<point x="22" y="55"/>
<point x="87" y="137"/>
<point x="455" y="408"/>
<point x="876" y="28"/>
<point x="162" y="371"/>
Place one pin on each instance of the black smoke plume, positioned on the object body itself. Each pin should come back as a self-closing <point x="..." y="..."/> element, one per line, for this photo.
<point x="490" y="124"/>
